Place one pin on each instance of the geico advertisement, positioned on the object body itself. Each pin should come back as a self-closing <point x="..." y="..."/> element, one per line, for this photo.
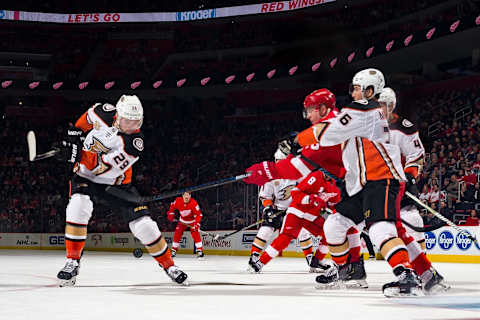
<point x="447" y="240"/>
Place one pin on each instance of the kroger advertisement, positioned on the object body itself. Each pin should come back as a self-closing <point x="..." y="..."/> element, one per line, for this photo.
<point x="447" y="241"/>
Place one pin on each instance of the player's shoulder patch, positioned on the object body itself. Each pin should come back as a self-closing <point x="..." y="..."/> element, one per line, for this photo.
<point x="105" y="112"/>
<point x="406" y="123"/>
<point x="134" y="143"/>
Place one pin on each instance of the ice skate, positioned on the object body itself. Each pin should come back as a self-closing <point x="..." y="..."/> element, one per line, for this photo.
<point x="330" y="279"/>
<point x="317" y="266"/>
<point x="407" y="285"/>
<point x="200" y="255"/>
<point x="68" y="275"/>
<point x="177" y="275"/>
<point x="255" y="266"/>
<point x="433" y="282"/>
<point x="356" y="276"/>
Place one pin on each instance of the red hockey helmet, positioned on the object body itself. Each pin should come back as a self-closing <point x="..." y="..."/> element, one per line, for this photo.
<point x="319" y="97"/>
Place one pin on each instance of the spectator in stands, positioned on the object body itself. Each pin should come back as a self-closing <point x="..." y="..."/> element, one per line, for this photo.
<point x="452" y="190"/>
<point x="445" y="211"/>
<point x="472" y="220"/>
<point x="434" y="195"/>
<point x="425" y="194"/>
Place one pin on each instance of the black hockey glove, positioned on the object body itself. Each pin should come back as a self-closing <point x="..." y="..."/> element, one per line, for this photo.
<point x="269" y="214"/>
<point x="69" y="149"/>
<point x="287" y="145"/>
<point x="411" y="185"/>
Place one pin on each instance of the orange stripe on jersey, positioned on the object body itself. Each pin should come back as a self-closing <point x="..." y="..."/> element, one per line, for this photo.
<point x="83" y="123"/>
<point x="413" y="171"/>
<point x="128" y="176"/>
<point x="386" y="199"/>
<point x="267" y="202"/>
<point x="89" y="159"/>
<point x="306" y="137"/>
<point x="376" y="165"/>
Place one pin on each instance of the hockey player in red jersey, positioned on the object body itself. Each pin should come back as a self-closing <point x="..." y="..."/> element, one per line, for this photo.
<point x="318" y="106"/>
<point x="189" y="215"/>
<point x="405" y="134"/>
<point x="309" y="198"/>
<point x="112" y="143"/>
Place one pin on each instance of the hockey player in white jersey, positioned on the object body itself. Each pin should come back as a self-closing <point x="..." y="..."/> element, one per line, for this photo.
<point x="374" y="182"/>
<point x="404" y="134"/>
<point x="275" y="197"/>
<point x="113" y="143"/>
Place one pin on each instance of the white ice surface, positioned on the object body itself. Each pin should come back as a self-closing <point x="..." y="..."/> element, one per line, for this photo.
<point x="119" y="286"/>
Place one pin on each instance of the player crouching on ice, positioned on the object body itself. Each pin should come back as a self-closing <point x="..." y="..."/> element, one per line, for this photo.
<point x="112" y="144"/>
<point x="276" y="197"/>
<point x="309" y="198"/>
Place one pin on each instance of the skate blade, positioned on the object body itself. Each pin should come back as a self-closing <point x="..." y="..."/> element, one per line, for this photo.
<point x="394" y="292"/>
<point x="252" y="271"/>
<point x="356" y="284"/>
<point x="437" y="289"/>
<point x="67" y="283"/>
<point x="338" y="285"/>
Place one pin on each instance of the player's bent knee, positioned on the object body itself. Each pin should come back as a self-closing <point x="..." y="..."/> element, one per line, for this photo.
<point x="381" y="231"/>
<point x="336" y="227"/>
<point x="79" y="209"/>
<point x="265" y="233"/>
<point x="145" y="229"/>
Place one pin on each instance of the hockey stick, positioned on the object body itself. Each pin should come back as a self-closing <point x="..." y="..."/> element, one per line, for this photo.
<point x="439" y="216"/>
<point x="32" y="149"/>
<point x="423" y="229"/>
<point x="130" y="197"/>
<point x="259" y="222"/>
<point x="213" y="235"/>
<point x="415" y="228"/>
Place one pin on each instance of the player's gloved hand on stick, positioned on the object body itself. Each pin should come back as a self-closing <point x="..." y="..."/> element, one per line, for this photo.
<point x="261" y="173"/>
<point x="171" y="216"/>
<point x="316" y="201"/>
<point x="70" y="149"/>
<point x="195" y="226"/>
<point x="268" y="214"/>
<point x="411" y="185"/>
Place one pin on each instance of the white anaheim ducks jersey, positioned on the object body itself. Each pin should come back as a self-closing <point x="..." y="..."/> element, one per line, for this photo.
<point x="279" y="192"/>
<point x="367" y="155"/>
<point x="404" y="134"/>
<point x="107" y="154"/>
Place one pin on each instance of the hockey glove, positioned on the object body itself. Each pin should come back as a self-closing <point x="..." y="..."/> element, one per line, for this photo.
<point x="411" y="185"/>
<point x="261" y="173"/>
<point x="268" y="214"/>
<point x="171" y="216"/>
<point x="316" y="201"/>
<point x="70" y="149"/>
<point x="195" y="226"/>
<point x="289" y="146"/>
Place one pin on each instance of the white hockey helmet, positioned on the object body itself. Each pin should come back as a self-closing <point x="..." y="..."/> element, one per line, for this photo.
<point x="389" y="98"/>
<point x="130" y="107"/>
<point x="369" y="78"/>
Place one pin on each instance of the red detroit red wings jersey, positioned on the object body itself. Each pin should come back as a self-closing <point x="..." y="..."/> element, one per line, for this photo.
<point x="189" y="212"/>
<point x="314" y="183"/>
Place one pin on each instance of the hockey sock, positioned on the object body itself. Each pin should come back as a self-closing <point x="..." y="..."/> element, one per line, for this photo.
<point x="257" y="245"/>
<point x="75" y="236"/>
<point x="353" y="237"/>
<point x="417" y="257"/>
<point x="278" y="245"/>
<point x="322" y="250"/>
<point x="158" y="249"/>
<point x="339" y="252"/>
<point x="307" y="246"/>
<point x="395" y="252"/>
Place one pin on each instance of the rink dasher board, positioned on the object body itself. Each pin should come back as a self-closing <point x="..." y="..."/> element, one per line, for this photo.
<point x="443" y="245"/>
